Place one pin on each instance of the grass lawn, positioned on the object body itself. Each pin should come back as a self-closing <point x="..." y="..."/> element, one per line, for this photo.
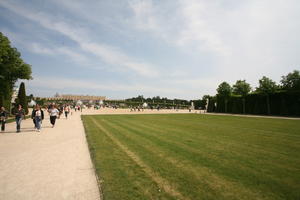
<point x="192" y="156"/>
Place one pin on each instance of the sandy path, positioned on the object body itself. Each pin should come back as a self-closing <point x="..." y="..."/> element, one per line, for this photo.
<point x="54" y="164"/>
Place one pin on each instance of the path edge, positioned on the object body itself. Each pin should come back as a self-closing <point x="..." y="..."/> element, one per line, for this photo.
<point x="93" y="164"/>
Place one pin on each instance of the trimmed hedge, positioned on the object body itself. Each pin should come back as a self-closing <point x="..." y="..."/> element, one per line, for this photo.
<point x="283" y="103"/>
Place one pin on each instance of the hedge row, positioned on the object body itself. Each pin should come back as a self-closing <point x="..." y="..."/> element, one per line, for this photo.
<point x="284" y="103"/>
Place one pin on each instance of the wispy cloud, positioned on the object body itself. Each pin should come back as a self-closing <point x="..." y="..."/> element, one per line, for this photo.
<point x="71" y="84"/>
<point x="42" y="49"/>
<point x="107" y="53"/>
<point x="188" y="26"/>
<point x="182" y="48"/>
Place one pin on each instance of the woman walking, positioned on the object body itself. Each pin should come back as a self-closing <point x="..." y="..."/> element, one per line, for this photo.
<point x="20" y="114"/>
<point x="53" y="114"/>
<point x="38" y="117"/>
<point x="3" y="117"/>
<point x="67" y="111"/>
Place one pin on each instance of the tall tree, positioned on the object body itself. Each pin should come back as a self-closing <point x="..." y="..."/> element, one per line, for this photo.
<point x="266" y="87"/>
<point x="12" y="68"/>
<point x="291" y="81"/>
<point x="22" y="98"/>
<point x="204" y="101"/>
<point x="224" y="90"/>
<point x="241" y="87"/>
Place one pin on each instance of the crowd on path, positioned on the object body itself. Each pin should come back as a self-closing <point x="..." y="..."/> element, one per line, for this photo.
<point x="37" y="115"/>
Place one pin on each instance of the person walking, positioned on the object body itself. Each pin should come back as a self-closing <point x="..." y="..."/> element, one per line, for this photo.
<point x="54" y="112"/>
<point x="67" y="111"/>
<point x="38" y="117"/>
<point x="3" y="117"/>
<point x="20" y="114"/>
<point x="33" y="116"/>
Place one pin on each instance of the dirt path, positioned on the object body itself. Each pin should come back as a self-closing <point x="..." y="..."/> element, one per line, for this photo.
<point x="52" y="164"/>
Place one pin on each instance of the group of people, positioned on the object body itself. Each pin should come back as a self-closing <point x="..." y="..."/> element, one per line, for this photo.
<point x="19" y="116"/>
<point x="37" y="115"/>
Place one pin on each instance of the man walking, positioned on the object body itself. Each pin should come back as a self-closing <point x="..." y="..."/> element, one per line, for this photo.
<point x="20" y="114"/>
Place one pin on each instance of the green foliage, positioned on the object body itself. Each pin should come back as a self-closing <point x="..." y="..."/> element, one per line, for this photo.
<point x="155" y="101"/>
<point x="286" y="103"/>
<point x="201" y="103"/>
<point x="12" y="68"/>
<point x="266" y="86"/>
<point x="268" y="99"/>
<point x="22" y="98"/>
<point x="211" y="107"/>
<point x="291" y="81"/>
<point x="241" y="87"/>
<point x="224" y="89"/>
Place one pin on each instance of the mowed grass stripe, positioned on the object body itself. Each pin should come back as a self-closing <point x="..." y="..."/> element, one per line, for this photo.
<point x="164" y="184"/>
<point x="266" y="171"/>
<point x="165" y="168"/>
<point x="254" y="172"/>
<point x="235" y="171"/>
<point x="248" y="149"/>
<point x="117" y="170"/>
<point x="172" y="149"/>
<point x="206" y="181"/>
<point x="240" y="129"/>
<point x="245" y="151"/>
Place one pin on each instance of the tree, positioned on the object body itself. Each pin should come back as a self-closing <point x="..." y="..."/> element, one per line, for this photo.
<point x="12" y="68"/>
<point x="224" y="90"/>
<point x="291" y="81"/>
<point x="22" y="98"/>
<point x="241" y="87"/>
<point x="203" y="102"/>
<point x="266" y="87"/>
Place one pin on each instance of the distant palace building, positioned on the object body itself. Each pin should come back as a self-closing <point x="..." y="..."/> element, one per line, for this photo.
<point x="83" y="98"/>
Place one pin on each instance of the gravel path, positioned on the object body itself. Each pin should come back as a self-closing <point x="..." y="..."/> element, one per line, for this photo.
<point x="52" y="164"/>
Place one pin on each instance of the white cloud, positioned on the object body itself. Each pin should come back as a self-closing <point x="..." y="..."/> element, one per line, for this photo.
<point x="39" y="49"/>
<point x="197" y="30"/>
<point x="213" y="40"/>
<point x="144" y="15"/>
<point x="56" y="83"/>
<point x="187" y="25"/>
<point x="115" y="57"/>
<point x="107" y="53"/>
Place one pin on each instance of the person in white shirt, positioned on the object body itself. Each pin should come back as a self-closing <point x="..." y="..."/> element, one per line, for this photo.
<point x="38" y="117"/>
<point x="53" y="114"/>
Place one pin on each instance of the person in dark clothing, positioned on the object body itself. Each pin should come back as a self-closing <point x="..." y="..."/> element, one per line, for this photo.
<point x="20" y="114"/>
<point x="33" y="116"/>
<point x="3" y="117"/>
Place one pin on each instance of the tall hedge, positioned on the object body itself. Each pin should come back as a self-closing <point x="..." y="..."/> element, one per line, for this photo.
<point x="284" y="103"/>
<point x="22" y="98"/>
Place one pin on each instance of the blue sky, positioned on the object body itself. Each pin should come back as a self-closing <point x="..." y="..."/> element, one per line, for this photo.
<point x="170" y="48"/>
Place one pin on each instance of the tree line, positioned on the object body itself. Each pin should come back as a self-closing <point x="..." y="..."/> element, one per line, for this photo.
<point x="274" y="95"/>
<point x="12" y="68"/>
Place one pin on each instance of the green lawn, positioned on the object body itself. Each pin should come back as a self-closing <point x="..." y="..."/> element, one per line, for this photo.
<point x="192" y="156"/>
